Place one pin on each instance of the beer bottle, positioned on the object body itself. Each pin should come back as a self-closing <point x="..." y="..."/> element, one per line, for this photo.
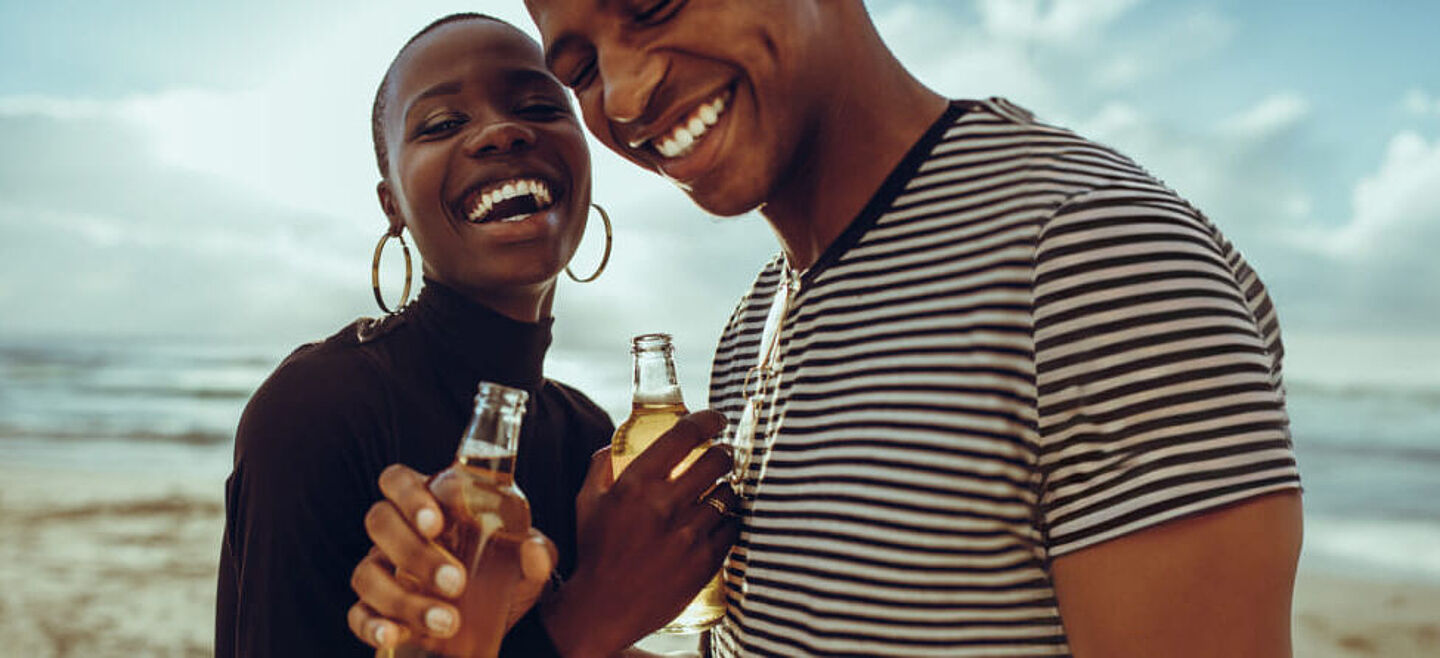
<point x="486" y="520"/>
<point x="657" y="405"/>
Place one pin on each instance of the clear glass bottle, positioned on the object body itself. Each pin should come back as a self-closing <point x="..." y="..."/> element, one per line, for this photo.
<point x="486" y="519"/>
<point x="656" y="406"/>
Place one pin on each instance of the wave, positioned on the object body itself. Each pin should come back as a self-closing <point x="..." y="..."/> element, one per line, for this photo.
<point x="191" y="437"/>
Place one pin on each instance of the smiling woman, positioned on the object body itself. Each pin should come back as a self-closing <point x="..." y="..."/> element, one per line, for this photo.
<point x="483" y="161"/>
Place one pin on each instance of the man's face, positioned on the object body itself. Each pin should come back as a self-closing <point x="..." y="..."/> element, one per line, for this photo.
<point x="717" y="95"/>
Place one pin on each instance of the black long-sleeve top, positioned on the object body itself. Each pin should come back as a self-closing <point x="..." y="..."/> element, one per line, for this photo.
<point x="316" y="435"/>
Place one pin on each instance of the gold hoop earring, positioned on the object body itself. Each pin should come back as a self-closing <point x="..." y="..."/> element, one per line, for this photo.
<point x="375" y="273"/>
<point x="604" y="258"/>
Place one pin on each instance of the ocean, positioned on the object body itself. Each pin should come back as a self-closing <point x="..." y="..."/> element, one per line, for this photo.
<point x="1369" y="449"/>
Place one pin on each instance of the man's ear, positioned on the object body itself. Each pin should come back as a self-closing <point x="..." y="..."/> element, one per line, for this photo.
<point x="390" y="206"/>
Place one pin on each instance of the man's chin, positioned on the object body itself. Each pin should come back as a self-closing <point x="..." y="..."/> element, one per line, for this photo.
<point x="724" y="202"/>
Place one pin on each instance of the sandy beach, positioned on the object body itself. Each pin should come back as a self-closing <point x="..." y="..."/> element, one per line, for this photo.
<point x="123" y="564"/>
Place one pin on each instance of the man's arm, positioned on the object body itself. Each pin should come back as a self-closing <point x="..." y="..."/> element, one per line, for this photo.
<point x="1216" y="584"/>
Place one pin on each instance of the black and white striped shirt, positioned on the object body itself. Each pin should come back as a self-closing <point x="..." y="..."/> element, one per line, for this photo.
<point x="1024" y="345"/>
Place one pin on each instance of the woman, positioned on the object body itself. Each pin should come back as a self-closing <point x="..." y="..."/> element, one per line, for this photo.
<point x="483" y="161"/>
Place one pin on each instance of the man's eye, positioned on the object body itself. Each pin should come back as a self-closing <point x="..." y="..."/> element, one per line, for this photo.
<point x="582" y="76"/>
<point x="655" y="12"/>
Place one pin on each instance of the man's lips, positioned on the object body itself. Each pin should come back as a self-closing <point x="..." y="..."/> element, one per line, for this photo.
<point x="507" y="200"/>
<point x="682" y="136"/>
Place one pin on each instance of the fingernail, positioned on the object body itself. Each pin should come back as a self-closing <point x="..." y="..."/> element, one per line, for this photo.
<point x="428" y="520"/>
<point x="449" y="579"/>
<point x="382" y="635"/>
<point x="439" y="620"/>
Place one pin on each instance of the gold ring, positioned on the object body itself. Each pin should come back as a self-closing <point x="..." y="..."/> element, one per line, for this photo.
<point x="719" y="506"/>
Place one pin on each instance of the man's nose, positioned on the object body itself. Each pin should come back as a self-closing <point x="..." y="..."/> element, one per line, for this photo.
<point x="500" y="137"/>
<point x="630" y="78"/>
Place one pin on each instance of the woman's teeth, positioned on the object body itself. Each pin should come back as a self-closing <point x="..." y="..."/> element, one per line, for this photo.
<point x="510" y="201"/>
<point x="682" y="138"/>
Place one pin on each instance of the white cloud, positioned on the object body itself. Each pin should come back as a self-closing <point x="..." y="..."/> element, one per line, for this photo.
<point x="1158" y="50"/>
<point x="1396" y="208"/>
<point x="1055" y="22"/>
<point x="1417" y="101"/>
<point x="1275" y="113"/>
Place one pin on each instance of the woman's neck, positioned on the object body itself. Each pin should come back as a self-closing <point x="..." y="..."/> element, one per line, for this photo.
<point x="526" y="303"/>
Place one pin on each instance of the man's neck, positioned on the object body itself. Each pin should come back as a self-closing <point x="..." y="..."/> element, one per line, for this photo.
<point x="877" y="113"/>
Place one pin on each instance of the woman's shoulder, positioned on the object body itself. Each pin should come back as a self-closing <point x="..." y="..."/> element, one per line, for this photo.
<point x="321" y="386"/>
<point x="580" y="405"/>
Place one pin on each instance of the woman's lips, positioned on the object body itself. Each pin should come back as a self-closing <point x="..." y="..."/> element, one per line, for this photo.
<point x="509" y="200"/>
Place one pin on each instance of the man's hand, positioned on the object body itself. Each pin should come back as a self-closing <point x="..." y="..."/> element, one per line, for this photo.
<point x="393" y="609"/>
<point x="1217" y="584"/>
<point x="647" y="543"/>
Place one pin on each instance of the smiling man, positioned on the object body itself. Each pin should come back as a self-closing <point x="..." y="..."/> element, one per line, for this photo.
<point x="1003" y="392"/>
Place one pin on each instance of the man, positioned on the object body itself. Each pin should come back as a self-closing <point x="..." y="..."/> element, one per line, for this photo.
<point x="1003" y="393"/>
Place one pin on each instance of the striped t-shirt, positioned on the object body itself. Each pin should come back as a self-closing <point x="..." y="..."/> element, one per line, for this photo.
<point x="1023" y="346"/>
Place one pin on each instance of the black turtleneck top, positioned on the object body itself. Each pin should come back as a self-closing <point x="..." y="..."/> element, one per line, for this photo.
<point x="315" y="436"/>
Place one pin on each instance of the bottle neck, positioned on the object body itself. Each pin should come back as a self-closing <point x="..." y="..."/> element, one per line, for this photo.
<point x="493" y="435"/>
<point x="655" y="380"/>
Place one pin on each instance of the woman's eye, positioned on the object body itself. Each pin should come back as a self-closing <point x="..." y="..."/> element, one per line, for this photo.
<point x="544" y="110"/>
<point x="440" y="126"/>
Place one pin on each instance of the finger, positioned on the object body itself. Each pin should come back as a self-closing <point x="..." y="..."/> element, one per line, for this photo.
<point x="597" y="480"/>
<point x="382" y="592"/>
<point x="712" y="465"/>
<point x="406" y="488"/>
<point x="411" y="553"/>
<point x="661" y="457"/>
<point x="601" y="475"/>
<point x="538" y="557"/>
<point x="717" y="510"/>
<point x="374" y="630"/>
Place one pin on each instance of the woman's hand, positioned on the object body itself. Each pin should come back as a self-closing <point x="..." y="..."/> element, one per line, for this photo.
<point x="647" y="543"/>
<point x="419" y="602"/>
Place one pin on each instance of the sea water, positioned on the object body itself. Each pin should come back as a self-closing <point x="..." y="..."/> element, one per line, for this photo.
<point x="1367" y="438"/>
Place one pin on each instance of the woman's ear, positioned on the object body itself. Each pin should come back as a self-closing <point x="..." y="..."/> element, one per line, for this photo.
<point x="390" y="207"/>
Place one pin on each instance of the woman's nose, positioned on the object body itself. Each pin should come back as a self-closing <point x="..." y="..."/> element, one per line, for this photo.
<point x="500" y="137"/>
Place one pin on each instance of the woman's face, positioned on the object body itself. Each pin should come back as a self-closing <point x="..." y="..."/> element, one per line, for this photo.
<point x="487" y="164"/>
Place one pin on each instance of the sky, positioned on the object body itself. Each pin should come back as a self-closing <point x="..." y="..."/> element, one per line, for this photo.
<point x="205" y="169"/>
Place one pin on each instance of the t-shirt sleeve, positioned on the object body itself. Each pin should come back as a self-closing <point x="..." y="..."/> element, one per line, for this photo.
<point x="1159" y="392"/>
<point x="295" y="505"/>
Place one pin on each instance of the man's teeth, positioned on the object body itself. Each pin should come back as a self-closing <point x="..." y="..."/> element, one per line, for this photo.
<point x="509" y="190"/>
<point x="681" y="140"/>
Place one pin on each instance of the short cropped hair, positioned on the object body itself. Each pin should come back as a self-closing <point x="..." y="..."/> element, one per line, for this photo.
<point x="377" y="111"/>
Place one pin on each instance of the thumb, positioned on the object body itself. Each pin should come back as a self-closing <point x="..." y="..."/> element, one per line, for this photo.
<point x="597" y="480"/>
<point x="538" y="557"/>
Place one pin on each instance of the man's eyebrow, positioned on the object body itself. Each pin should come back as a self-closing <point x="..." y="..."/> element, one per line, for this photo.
<point x="443" y="89"/>
<point x="557" y="48"/>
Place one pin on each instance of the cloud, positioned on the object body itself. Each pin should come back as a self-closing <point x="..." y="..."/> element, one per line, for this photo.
<point x="1057" y="23"/>
<point x="1418" y="102"/>
<point x="107" y="238"/>
<point x="1156" y="51"/>
<point x="1274" y="114"/>
<point x="1396" y="208"/>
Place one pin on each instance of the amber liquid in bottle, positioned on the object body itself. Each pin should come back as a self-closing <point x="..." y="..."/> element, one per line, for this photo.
<point x="658" y="405"/>
<point x="487" y="518"/>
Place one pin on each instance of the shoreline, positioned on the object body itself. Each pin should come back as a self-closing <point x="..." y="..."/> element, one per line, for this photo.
<point x="121" y="563"/>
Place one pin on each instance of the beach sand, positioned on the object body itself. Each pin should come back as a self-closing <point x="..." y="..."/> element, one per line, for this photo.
<point x="115" y="564"/>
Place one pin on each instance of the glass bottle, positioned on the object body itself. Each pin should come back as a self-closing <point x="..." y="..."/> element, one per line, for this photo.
<point x="486" y="519"/>
<point x="656" y="406"/>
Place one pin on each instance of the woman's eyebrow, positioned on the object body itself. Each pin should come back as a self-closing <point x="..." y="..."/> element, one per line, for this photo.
<point x="533" y="78"/>
<point x="448" y="88"/>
